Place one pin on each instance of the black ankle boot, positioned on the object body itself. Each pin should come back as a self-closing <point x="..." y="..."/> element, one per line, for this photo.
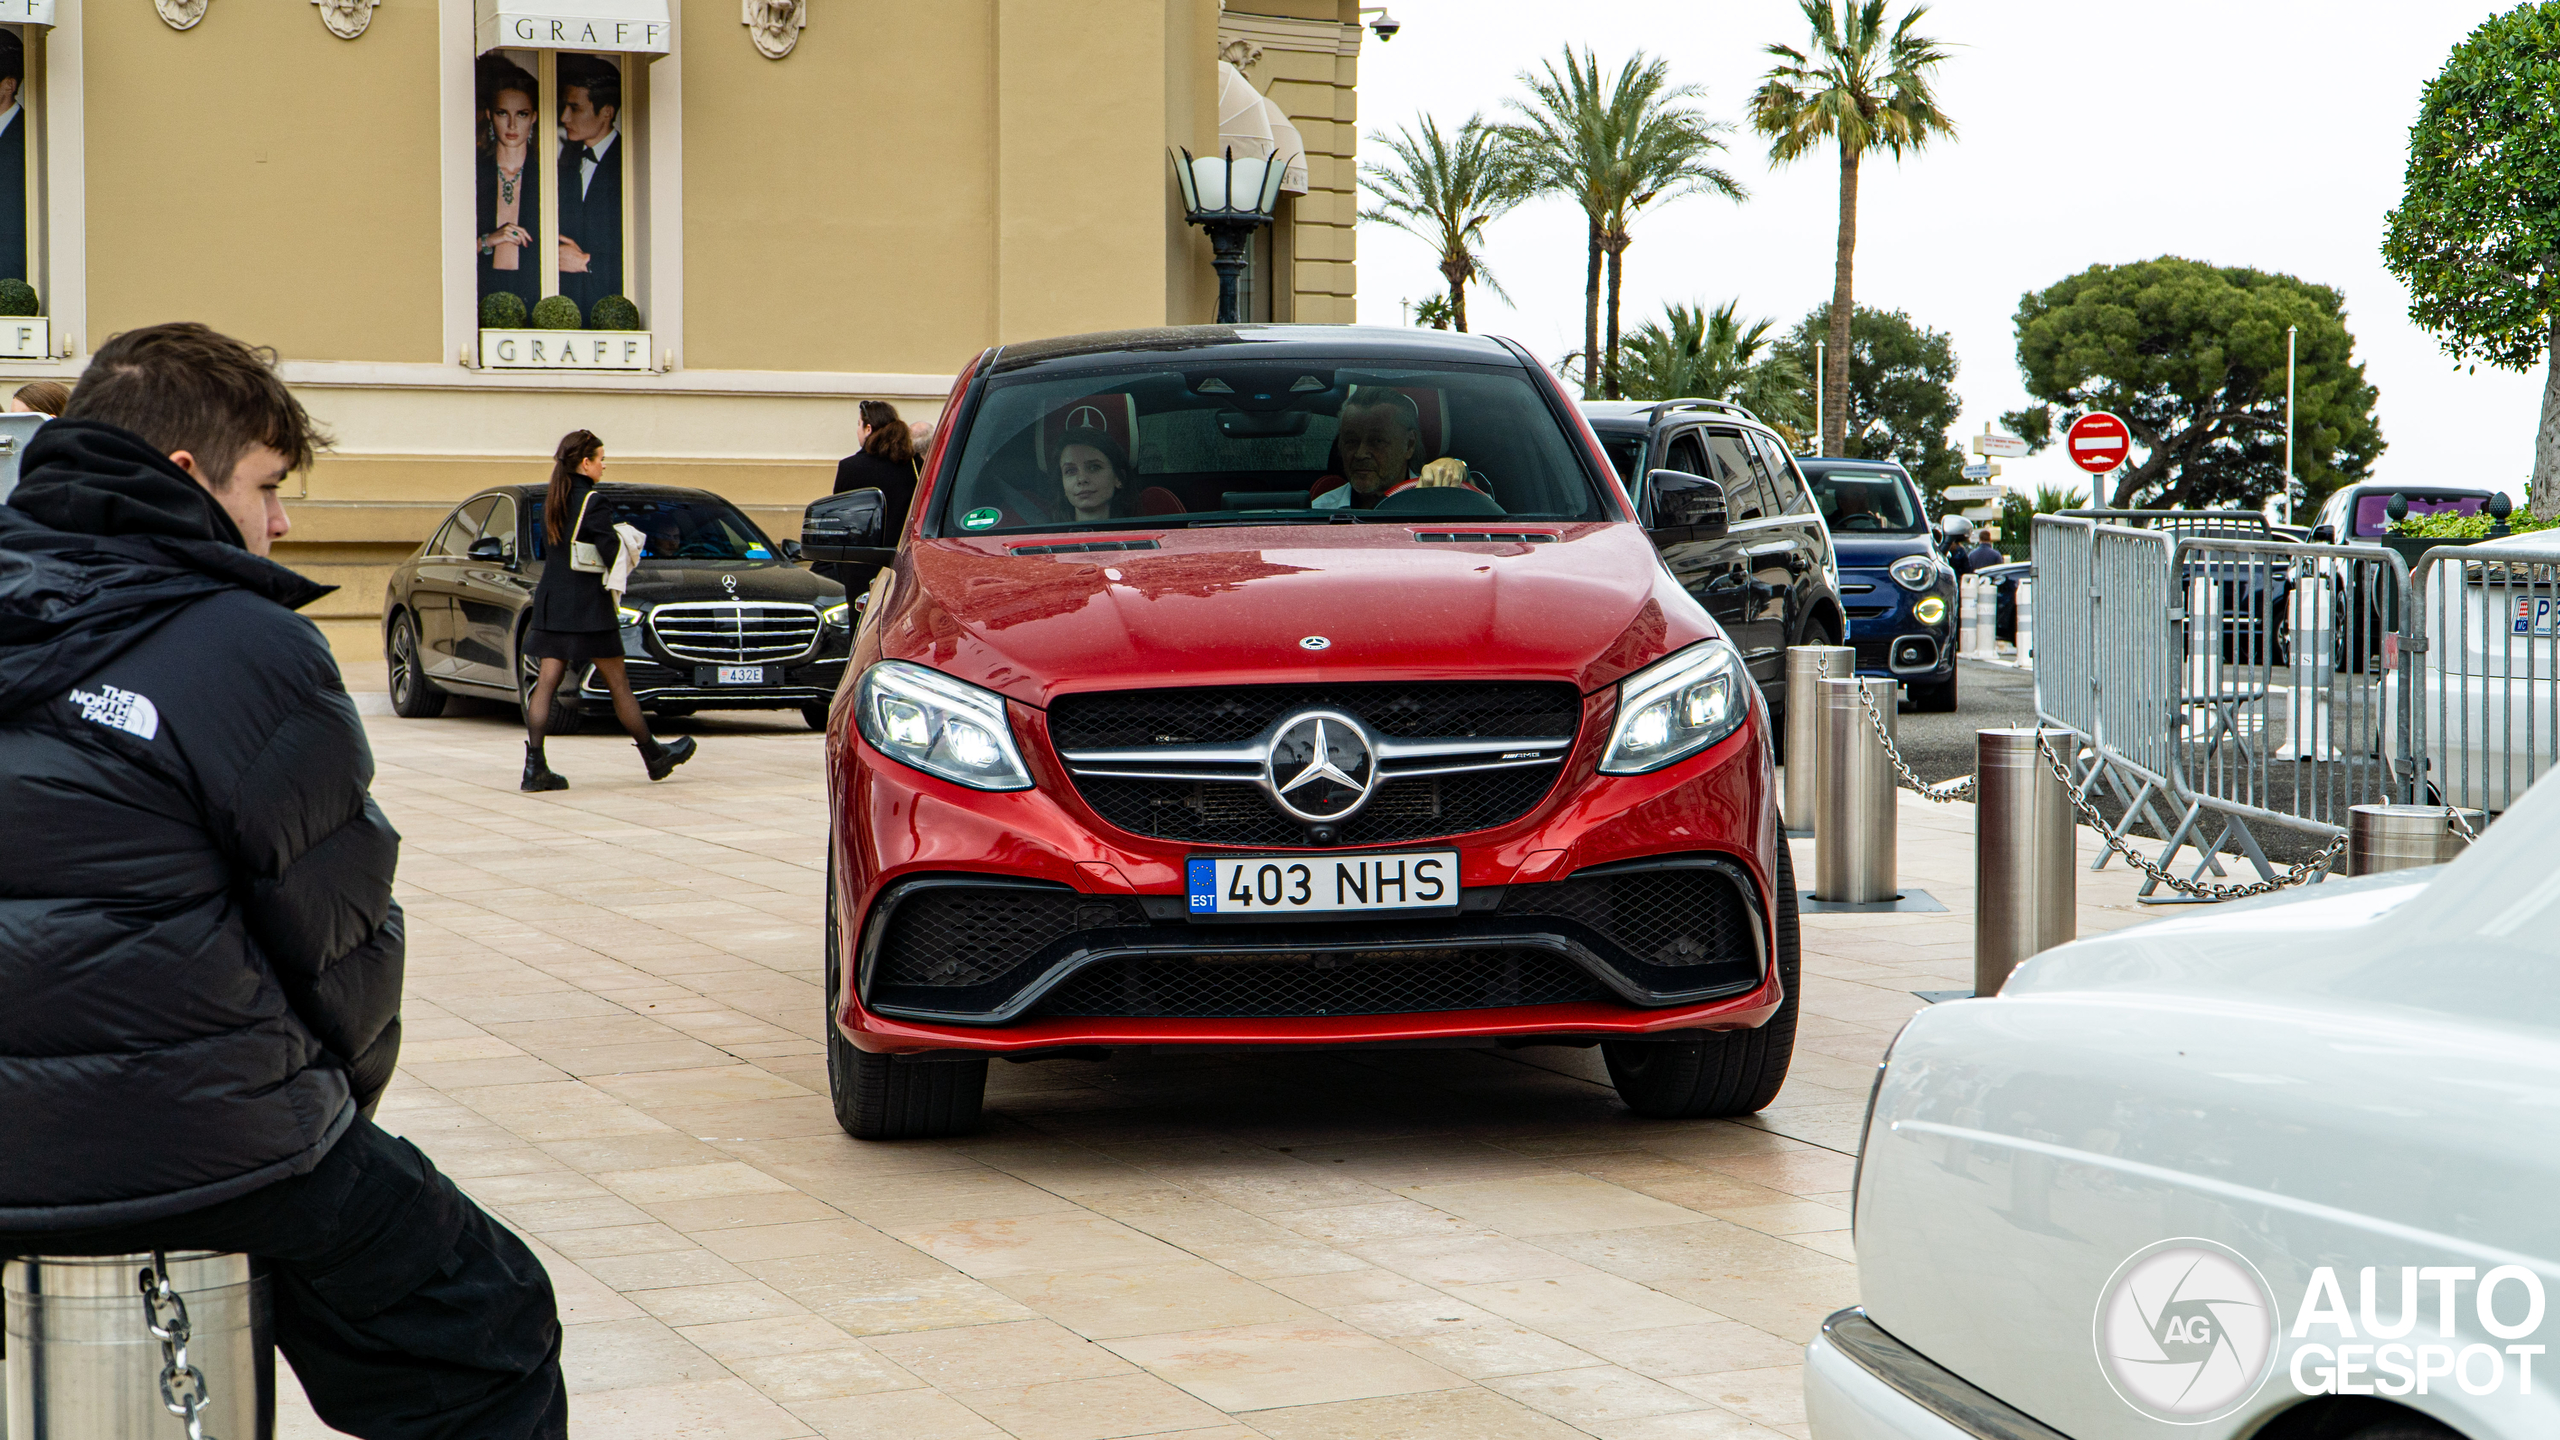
<point x="663" y="759"/>
<point x="537" y="772"/>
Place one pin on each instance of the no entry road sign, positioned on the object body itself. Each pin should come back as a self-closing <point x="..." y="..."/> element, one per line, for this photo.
<point x="2099" y="442"/>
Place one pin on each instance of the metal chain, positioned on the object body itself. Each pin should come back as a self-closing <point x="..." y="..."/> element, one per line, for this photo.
<point x="1963" y="788"/>
<point x="164" y="1312"/>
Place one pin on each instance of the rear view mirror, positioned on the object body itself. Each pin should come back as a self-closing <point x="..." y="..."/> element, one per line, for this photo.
<point x="2324" y="535"/>
<point x="489" y="547"/>
<point x="790" y="549"/>
<point x="1262" y="424"/>
<point x="847" y="529"/>
<point x="1685" y="502"/>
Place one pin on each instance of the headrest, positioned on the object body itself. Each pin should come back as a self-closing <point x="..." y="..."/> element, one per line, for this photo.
<point x="1430" y="408"/>
<point x="1112" y="412"/>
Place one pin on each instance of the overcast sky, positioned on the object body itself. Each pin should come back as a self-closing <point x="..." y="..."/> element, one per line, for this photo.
<point x="2267" y="133"/>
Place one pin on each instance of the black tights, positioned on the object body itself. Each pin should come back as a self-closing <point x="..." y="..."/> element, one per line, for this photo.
<point x="626" y="706"/>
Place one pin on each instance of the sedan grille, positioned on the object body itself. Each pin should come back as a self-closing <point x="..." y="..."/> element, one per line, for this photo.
<point x="735" y="632"/>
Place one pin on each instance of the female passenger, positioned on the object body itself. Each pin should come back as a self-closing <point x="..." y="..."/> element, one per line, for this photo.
<point x="573" y="621"/>
<point x="1093" y="476"/>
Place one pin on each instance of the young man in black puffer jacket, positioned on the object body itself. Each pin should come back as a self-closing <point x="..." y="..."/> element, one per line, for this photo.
<point x="200" y="958"/>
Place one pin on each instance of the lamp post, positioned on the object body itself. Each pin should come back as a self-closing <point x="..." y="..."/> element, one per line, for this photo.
<point x="2289" y="332"/>
<point x="1230" y="198"/>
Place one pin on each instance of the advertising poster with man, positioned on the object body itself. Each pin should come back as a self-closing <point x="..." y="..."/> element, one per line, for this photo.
<point x="570" y="212"/>
<point x="13" y="156"/>
<point x="591" y="167"/>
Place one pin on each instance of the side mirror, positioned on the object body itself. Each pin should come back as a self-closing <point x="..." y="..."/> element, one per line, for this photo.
<point x="2324" y="535"/>
<point x="847" y="529"/>
<point x="1686" y="502"/>
<point x="791" y="550"/>
<point x="489" y="547"/>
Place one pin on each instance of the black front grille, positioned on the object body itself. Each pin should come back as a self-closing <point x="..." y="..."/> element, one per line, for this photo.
<point x="969" y="937"/>
<point x="1358" y="983"/>
<point x="1212" y="814"/>
<point x="1872" y="654"/>
<point x="1219" y="813"/>
<point x="1119" y="719"/>
<point x="1674" y="918"/>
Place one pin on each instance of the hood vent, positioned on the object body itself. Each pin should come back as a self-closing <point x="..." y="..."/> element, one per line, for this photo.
<point x="1485" y="537"/>
<point x="1085" y="548"/>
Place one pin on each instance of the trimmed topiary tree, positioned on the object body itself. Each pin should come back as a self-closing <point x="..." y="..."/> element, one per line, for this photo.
<point x="502" y="310"/>
<point x="17" y="297"/>
<point x="557" y="312"/>
<point x="613" y="312"/>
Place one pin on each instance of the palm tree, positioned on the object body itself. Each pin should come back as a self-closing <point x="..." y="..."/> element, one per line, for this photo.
<point x="1714" y="355"/>
<point x="1613" y="147"/>
<point x="1866" y="88"/>
<point x="1444" y="191"/>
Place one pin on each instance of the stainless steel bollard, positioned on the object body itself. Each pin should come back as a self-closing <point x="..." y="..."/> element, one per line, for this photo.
<point x="1806" y="668"/>
<point x="84" y="1366"/>
<point x="2026" y="876"/>
<point x="1853" y="850"/>
<point x="2403" y="837"/>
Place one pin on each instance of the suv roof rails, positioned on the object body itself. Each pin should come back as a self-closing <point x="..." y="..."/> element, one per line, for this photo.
<point x="1692" y="403"/>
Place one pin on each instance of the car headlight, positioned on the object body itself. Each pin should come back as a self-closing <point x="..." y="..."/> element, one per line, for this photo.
<point x="626" y="615"/>
<point x="836" y="615"/>
<point x="1676" y="707"/>
<point x="1915" y="572"/>
<point x="1930" y="610"/>
<point x="939" y="725"/>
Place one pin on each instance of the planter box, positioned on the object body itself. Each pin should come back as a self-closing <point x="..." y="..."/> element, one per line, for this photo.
<point x="26" y="337"/>
<point x="612" y="350"/>
<point x="2413" y="547"/>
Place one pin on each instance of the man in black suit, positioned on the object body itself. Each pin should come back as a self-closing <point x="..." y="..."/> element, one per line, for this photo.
<point x="13" y="158"/>
<point x="590" y="178"/>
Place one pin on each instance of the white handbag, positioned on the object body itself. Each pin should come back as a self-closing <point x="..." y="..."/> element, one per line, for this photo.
<point x="583" y="556"/>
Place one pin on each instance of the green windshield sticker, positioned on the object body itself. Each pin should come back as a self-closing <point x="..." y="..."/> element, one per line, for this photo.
<point x="979" y="519"/>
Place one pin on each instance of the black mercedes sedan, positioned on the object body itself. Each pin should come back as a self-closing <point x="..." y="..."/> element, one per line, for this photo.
<point x="717" y="616"/>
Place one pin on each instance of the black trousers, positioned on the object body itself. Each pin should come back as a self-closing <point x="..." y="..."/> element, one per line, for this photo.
<point x="407" y="1313"/>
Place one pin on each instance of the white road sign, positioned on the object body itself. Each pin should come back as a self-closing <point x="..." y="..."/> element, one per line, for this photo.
<point x="1982" y="469"/>
<point x="1954" y="494"/>
<point x="1992" y="442"/>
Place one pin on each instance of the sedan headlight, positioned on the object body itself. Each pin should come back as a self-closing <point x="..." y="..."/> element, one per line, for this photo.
<point x="836" y="615"/>
<point x="626" y="616"/>
<point x="1915" y="572"/>
<point x="939" y="725"/>
<point x="1676" y="707"/>
<point x="1930" y="610"/>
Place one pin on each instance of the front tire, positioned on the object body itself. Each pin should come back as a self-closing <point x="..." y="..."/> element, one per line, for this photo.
<point x="1935" y="699"/>
<point x="886" y="1097"/>
<point x="413" y="695"/>
<point x="815" y="717"/>
<point x="1709" y="1073"/>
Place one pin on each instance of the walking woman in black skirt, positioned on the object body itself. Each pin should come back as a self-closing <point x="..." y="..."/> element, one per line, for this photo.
<point x="573" y="614"/>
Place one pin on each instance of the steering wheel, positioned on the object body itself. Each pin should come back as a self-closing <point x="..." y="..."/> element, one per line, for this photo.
<point x="1860" y="521"/>
<point x="700" y="550"/>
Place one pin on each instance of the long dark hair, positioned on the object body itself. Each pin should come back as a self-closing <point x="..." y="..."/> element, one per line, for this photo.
<point x="890" y="438"/>
<point x="574" y="449"/>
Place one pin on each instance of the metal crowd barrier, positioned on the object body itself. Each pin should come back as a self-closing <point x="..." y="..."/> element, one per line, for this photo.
<point x="2480" y="667"/>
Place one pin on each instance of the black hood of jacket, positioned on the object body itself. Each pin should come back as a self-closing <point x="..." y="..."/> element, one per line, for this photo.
<point x="102" y="540"/>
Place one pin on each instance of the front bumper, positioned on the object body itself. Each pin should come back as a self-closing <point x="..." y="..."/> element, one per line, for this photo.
<point x="1892" y="642"/>
<point x="1110" y="959"/>
<point x="1860" y="1383"/>
<point x="659" y="682"/>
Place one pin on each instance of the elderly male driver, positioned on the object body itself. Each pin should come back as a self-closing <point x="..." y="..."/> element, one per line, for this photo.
<point x="1380" y="437"/>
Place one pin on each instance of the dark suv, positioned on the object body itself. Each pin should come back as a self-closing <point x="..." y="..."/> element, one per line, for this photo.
<point x="1766" y="573"/>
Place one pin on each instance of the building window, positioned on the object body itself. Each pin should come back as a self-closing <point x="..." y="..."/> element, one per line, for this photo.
<point x="556" y="142"/>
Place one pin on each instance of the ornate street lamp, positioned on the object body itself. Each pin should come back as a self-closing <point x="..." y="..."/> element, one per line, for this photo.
<point x="1230" y="198"/>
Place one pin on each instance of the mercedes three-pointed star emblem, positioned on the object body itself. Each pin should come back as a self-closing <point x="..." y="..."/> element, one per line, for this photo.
<point x="1321" y="767"/>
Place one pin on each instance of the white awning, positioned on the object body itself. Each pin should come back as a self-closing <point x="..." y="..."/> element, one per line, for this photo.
<point x="1290" y="148"/>
<point x="26" y="12"/>
<point x="1244" y="124"/>
<point x="630" y="27"/>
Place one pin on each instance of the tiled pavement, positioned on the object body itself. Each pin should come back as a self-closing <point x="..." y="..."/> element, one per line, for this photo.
<point x="612" y="1042"/>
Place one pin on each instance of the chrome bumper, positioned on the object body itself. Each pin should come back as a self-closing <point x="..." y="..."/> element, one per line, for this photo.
<point x="1850" y="1402"/>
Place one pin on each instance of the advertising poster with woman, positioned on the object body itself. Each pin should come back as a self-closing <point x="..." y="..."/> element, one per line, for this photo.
<point x="510" y="210"/>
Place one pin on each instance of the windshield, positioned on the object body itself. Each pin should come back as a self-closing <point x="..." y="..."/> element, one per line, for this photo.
<point x="1626" y="451"/>
<point x="1855" y="501"/>
<point x="2373" y="510"/>
<point x="683" y="527"/>
<point x="1262" y="442"/>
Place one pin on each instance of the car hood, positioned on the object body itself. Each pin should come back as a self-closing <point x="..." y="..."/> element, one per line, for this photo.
<point x="1287" y="604"/>
<point x="656" y="581"/>
<point x="1867" y="551"/>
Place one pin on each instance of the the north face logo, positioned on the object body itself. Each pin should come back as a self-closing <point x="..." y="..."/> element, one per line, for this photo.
<point x="118" y="710"/>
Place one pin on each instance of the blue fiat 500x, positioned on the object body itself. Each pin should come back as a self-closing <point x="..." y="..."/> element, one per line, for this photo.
<point x="1899" y="592"/>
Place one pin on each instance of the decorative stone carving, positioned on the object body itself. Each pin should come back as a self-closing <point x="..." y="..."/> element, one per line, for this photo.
<point x="1242" y="54"/>
<point x="775" y="25"/>
<point x="182" y="14"/>
<point x="346" y="19"/>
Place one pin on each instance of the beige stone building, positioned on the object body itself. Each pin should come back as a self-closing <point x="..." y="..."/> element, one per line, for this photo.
<point x="801" y="203"/>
